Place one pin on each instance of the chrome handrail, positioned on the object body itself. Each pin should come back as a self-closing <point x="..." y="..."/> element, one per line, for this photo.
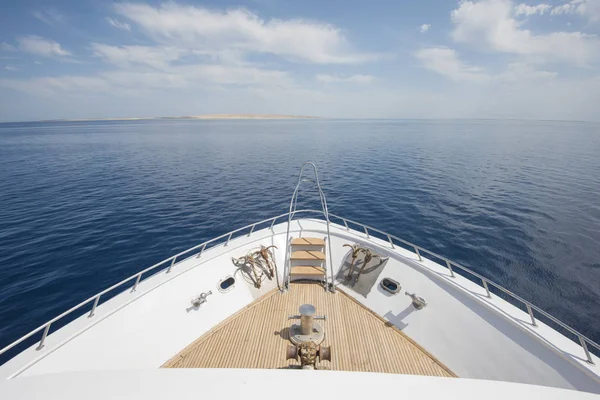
<point x="325" y="211"/>
<point x="583" y="340"/>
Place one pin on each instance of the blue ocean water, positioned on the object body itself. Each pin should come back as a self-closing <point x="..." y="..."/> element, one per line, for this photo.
<point x="84" y="205"/>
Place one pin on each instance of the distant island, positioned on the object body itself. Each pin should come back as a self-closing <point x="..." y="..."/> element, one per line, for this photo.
<point x="250" y="116"/>
<point x="205" y="116"/>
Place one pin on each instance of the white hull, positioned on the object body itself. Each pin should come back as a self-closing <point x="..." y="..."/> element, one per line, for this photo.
<point x="474" y="335"/>
<point x="268" y="385"/>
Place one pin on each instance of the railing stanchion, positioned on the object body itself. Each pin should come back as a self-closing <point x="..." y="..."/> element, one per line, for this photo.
<point x="137" y="281"/>
<point x="96" y="300"/>
<point x="346" y="224"/>
<point x="251" y="230"/>
<point x="273" y="223"/>
<point x="530" y="311"/>
<point x="172" y="263"/>
<point x="41" y="345"/>
<point x="418" y="253"/>
<point x="228" y="239"/>
<point x="391" y="241"/>
<point x="487" y="290"/>
<point x="201" y="250"/>
<point x="585" y="349"/>
<point x="366" y="231"/>
<point x="450" y="268"/>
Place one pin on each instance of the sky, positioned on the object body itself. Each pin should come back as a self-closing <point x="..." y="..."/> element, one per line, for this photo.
<point x="340" y="59"/>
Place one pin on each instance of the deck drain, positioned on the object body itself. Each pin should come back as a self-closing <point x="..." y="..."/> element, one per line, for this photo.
<point x="390" y="285"/>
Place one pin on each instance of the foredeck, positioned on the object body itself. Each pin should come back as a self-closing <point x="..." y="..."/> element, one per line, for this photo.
<point x="257" y="336"/>
<point x="476" y="333"/>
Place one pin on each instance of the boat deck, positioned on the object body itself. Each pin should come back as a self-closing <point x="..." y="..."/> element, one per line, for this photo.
<point x="475" y="335"/>
<point x="257" y="336"/>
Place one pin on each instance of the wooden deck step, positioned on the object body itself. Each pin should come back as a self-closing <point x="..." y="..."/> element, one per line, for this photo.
<point x="308" y="241"/>
<point x="307" y="270"/>
<point x="307" y="255"/>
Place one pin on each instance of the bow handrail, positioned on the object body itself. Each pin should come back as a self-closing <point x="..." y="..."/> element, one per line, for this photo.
<point x="392" y="239"/>
<point x="324" y="210"/>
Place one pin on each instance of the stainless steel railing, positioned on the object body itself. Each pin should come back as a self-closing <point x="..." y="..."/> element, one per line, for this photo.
<point x="451" y="265"/>
<point x="138" y="277"/>
<point x="325" y="211"/>
<point x="393" y="240"/>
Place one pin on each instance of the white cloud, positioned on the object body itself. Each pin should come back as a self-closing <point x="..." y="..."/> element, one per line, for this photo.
<point x="7" y="47"/>
<point x="49" y="16"/>
<point x="47" y="85"/>
<point x="490" y="24"/>
<point x="350" y="79"/>
<point x="133" y="82"/>
<point x="524" y="9"/>
<point x="566" y="8"/>
<point x="119" y="24"/>
<point x="445" y="61"/>
<point x="424" y="28"/>
<point x="524" y="72"/>
<point x="124" y="56"/>
<point x="40" y="46"/>
<point x="584" y="8"/>
<point x="588" y="8"/>
<point x="234" y="75"/>
<point x="11" y="68"/>
<point x="238" y="29"/>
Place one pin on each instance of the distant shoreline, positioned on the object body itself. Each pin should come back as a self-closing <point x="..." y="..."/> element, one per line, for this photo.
<point x="194" y="117"/>
<point x="291" y="117"/>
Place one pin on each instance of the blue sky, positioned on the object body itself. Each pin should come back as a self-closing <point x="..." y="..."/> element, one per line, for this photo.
<point x="377" y="59"/>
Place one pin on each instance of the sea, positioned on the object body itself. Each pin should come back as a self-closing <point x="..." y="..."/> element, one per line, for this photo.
<point x="84" y="205"/>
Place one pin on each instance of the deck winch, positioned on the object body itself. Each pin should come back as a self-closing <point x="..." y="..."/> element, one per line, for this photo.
<point x="306" y="337"/>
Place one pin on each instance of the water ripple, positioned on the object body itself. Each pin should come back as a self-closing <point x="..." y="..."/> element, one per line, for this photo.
<point x="84" y="205"/>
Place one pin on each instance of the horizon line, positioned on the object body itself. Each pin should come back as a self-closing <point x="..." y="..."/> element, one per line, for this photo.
<point x="278" y="117"/>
